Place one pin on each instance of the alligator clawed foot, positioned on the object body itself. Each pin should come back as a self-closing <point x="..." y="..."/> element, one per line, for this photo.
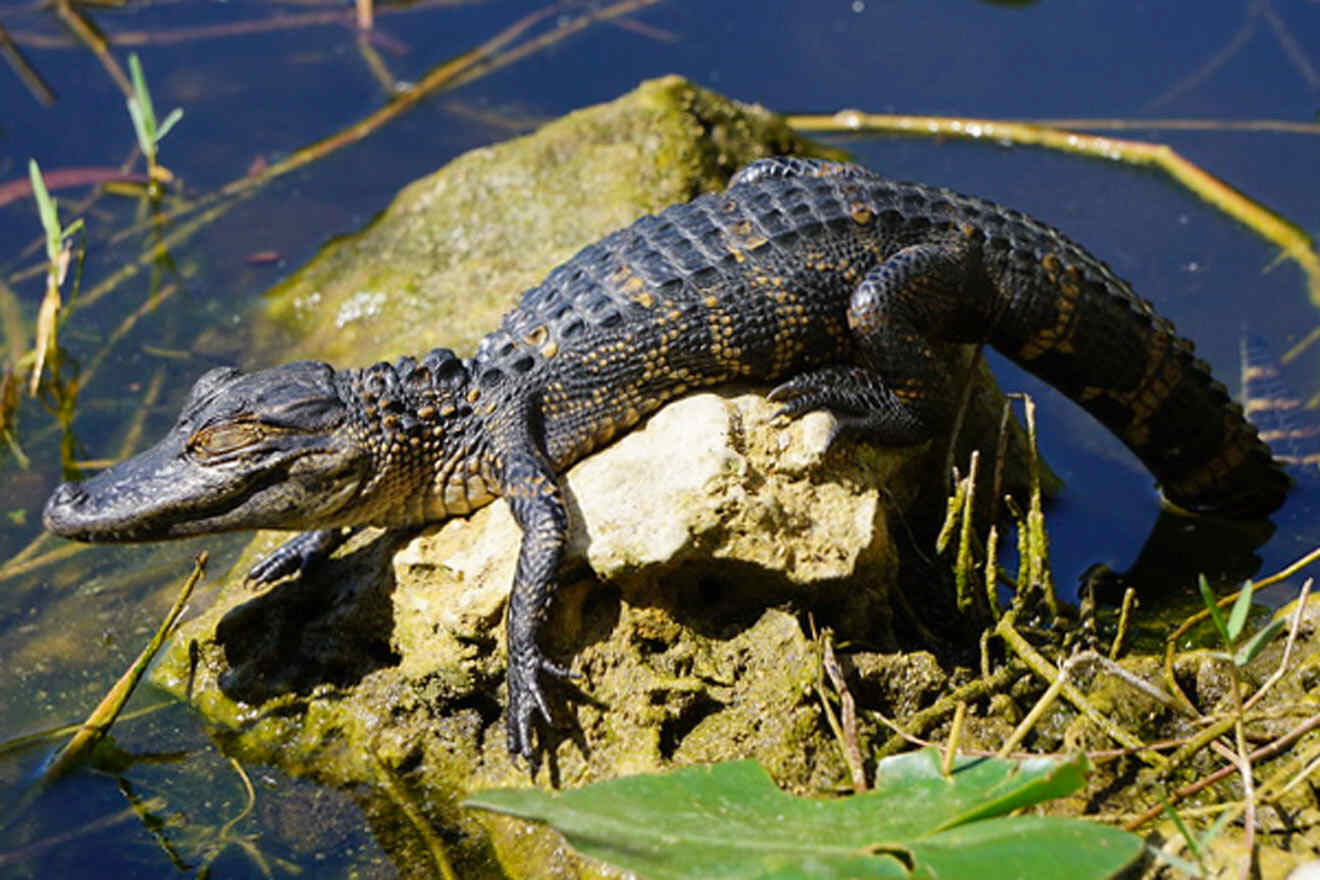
<point x="297" y="554"/>
<point x="527" y="700"/>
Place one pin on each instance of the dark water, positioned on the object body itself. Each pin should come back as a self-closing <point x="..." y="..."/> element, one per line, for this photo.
<point x="67" y="628"/>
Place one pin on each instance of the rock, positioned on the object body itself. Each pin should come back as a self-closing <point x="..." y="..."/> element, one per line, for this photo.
<point x="687" y="529"/>
<point x="700" y="481"/>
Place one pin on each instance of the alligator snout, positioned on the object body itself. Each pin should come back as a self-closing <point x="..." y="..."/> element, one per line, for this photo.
<point x="60" y="515"/>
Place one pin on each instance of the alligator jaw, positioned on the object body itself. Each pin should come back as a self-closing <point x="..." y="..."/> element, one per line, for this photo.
<point x="160" y="494"/>
<point x="154" y="495"/>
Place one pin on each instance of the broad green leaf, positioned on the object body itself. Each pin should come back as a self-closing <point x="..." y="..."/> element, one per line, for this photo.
<point x="979" y="788"/>
<point x="1237" y="618"/>
<point x="1027" y="847"/>
<point x="730" y="821"/>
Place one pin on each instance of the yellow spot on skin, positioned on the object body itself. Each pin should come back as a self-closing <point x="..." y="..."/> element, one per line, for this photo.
<point x="861" y="214"/>
<point x="476" y="492"/>
<point x="426" y="413"/>
<point x="1057" y="337"/>
<point x="537" y="337"/>
<point x="1163" y="372"/>
<point x="454" y="499"/>
<point x="644" y="299"/>
<point x="474" y="395"/>
<point x="1231" y="455"/>
<point x="710" y="302"/>
<point x="550" y="350"/>
<point x="1050" y="263"/>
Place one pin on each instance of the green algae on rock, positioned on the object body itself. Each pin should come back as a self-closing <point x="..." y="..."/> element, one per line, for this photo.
<point x="454" y="249"/>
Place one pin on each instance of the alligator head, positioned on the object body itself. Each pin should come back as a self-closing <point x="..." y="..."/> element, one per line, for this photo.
<point x="267" y="449"/>
<point x="298" y="446"/>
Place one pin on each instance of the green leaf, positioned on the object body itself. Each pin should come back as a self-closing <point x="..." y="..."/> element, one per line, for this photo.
<point x="1192" y="841"/>
<point x="1038" y="847"/>
<point x="142" y="97"/>
<point x="174" y="116"/>
<point x="145" y="141"/>
<point x="50" y="221"/>
<point x="1257" y="643"/>
<point x="1212" y="605"/>
<point x="1237" y="618"/>
<point x="730" y="821"/>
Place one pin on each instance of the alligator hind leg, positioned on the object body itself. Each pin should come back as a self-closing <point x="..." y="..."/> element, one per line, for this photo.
<point x="860" y="400"/>
<point x="897" y="393"/>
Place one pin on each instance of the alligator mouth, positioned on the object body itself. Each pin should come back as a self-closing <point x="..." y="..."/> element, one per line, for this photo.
<point x="72" y="512"/>
<point x="126" y="504"/>
<point x="68" y="516"/>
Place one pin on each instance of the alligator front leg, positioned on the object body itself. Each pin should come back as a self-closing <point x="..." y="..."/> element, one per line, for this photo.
<point x="297" y="554"/>
<point x="533" y="495"/>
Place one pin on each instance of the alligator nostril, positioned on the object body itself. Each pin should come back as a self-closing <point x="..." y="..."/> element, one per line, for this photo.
<point x="68" y="493"/>
<point x="63" y="504"/>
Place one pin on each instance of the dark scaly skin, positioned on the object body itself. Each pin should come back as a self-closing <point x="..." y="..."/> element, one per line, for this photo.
<point x="824" y="275"/>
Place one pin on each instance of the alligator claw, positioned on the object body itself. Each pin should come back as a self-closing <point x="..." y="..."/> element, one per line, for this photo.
<point x="526" y="699"/>
<point x="797" y="395"/>
<point x="790" y="390"/>
<point x="297" y="554"/>
<point x="805" y="393"/>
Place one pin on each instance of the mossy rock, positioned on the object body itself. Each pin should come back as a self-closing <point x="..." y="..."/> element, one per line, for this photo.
<point x="455" y="248"/>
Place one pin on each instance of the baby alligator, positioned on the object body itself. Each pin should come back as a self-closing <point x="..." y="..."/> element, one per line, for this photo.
<point x="823" y="276"/>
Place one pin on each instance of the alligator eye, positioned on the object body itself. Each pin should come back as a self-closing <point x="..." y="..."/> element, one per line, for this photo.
<point x="223" y="439"/>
